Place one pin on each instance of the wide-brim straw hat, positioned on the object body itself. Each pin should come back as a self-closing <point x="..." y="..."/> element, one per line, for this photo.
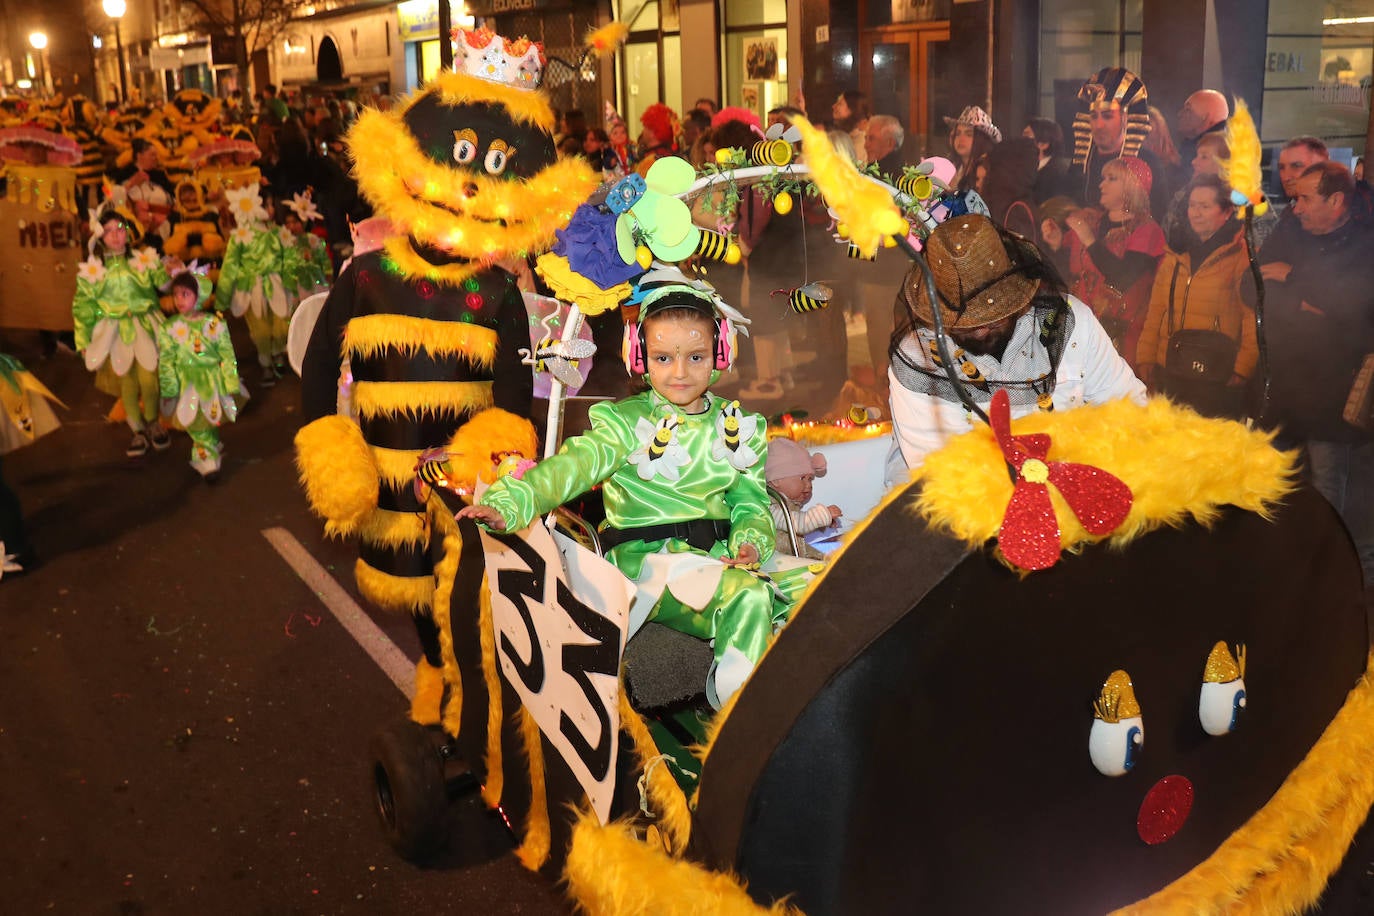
<point x="979" y="120"/>
<point x="976" y="280"/>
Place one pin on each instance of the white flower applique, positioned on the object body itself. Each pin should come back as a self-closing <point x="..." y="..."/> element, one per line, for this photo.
<point x="144" y="260"/>
<point x="92" y="270"/>
<point x="243" y="235"/>
<point x="287" y="237"/>
<point x="661" y="454"/>
<point x="246" y="205"/>
<point x="734" y="429"/>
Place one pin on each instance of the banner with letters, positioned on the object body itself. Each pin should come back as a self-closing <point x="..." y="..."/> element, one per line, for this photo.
<point x="560" y="614"/>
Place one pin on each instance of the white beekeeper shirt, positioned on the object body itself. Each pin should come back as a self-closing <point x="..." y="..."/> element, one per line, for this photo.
<point x="1090" y="372"/>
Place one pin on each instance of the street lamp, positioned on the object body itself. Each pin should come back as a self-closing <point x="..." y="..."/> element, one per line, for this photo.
<point x="39" y="42"/>
<point x="115" y="9"/>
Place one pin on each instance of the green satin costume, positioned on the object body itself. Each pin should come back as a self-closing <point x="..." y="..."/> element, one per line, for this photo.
<point x="307" y="268"/>
<point x="253" y="285"/>
<point x="745" y="609"/>
<point x="198" y="373"/>
<point x="115" y="320"/>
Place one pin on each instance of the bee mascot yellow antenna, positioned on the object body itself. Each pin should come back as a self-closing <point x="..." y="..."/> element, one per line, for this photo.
<point x="467" y="174"/>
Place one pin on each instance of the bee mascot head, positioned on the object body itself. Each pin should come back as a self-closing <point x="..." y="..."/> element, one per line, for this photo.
<point x="466" y="169"/>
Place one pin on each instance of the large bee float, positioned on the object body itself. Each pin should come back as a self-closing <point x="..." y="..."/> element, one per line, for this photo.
<point x="1112" y="659"/>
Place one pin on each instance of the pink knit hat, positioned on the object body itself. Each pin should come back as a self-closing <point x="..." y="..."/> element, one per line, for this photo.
<point x="788" y="459"/>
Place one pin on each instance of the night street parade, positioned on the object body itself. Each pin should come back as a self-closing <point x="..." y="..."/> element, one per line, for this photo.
<point x="687" y="457"/>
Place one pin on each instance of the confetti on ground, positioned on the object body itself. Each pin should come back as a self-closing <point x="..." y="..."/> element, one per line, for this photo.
<point x="152" y="628"/>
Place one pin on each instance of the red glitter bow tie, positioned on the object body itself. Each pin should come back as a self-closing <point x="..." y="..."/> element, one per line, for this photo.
<point x="1029" y="537"/>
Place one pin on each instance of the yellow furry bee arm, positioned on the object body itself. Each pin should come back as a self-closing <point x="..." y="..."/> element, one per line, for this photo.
<point x="336" y="467"/>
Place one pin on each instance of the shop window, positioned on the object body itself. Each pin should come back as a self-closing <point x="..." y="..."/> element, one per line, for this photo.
<point x="1079" y="38"/>
<point x="755" y="12"/>
<point x="1318" y="66"/>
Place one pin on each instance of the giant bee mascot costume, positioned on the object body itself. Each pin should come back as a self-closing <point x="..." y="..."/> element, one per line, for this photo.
<point x="467" y="173"/>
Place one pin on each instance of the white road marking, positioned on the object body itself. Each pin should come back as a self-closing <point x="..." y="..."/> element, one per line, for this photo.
<point x="375" y="643"/>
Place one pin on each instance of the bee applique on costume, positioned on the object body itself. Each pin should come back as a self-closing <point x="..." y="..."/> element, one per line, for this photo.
<point x="467" y="174"/>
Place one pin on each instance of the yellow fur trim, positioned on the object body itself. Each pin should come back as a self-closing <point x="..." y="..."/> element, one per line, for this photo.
<point x="394" y="593"/>
<point x="374" y="335"/>
<point x="337" y="471"/>
<point x="411" y="264"/>
<point x="866" y="208"/>
<point x="445" y="571"/>
<point x="534" y="849"/>
<point x="1242" y="171"/>
<point x="420" y="196"/>
<point x="390" y="529"/>
<point x="666" y="799"/>
<point x="571" y="286"/>
<point x="413" y="399"/>
<point x="612" y="873"/>
<point x="474" y="449"/>
<point x="1179" y="466"/>
<point x="396" y="466"/>
<point x="1278" y="863"/>
<point x="429" y="694"/>
<point x="606" y="39"/>
<point x="459" y="89"/>
<point x="496" y="780"/>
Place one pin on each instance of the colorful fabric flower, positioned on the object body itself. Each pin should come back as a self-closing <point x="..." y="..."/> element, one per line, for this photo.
<point x="246" y="204"/>
<point x="1029" y="537"/>
<point x="144" y="260"/>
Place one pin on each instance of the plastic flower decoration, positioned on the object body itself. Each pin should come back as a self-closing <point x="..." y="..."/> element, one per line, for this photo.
<point x="91" y="270"/>
<point x="649" y="213"/>
<point x="1029" y="537"/>
<point x="302" y="205"/>
<point x="246" y="204"/>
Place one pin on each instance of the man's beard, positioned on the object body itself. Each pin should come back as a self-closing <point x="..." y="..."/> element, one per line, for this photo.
<point x="993" y="345"/>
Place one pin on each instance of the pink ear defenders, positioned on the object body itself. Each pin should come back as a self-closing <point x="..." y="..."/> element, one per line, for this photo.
<point x="634" y="350"/>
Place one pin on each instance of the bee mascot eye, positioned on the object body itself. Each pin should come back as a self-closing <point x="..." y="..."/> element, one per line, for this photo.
<point x="464" y="151"/>
<point x="496" y="161"/>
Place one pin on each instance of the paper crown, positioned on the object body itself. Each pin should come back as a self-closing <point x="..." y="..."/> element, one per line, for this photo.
<point x="484" y="54"/>
<point x="1223" y="667"/>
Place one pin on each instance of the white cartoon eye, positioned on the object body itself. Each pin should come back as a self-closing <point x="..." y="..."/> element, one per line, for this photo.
<point x="464" y="146"/>
<point x="1118" y="730"/>
<point x="1222" y="699"/>
<point x="496" y="160"/>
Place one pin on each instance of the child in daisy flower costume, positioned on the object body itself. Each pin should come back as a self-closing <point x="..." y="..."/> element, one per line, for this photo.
<point x="253" y="284"/>
<point x="116" y="316"/>
<point x="682" y="473"/>
<point x="308" y="269"/>
<point x="197" y="372"/>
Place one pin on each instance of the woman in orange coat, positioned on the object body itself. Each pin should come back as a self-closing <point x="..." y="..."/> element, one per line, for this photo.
<point x="1198" y="290"/>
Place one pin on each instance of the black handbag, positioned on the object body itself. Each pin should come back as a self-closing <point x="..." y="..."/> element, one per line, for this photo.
<point x="1197" y="354"/>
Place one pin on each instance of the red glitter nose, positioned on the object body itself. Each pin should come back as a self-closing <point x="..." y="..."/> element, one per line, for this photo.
<point x="1164" y="810"/>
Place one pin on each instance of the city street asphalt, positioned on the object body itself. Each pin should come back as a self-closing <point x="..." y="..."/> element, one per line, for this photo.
<point x="183" y="724"/>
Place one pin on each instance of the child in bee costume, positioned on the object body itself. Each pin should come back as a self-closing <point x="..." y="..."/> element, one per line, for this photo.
<point x="197" y="372"/>
<point x="116" y="315"/>
<point x="253" y="281"/>
<point x="682" y="475"/>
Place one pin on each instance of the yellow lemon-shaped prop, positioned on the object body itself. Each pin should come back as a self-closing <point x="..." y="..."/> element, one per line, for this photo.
<point x="644" y="256"/>
<point x="783" y="203"/>
<point x="732" y="254"/>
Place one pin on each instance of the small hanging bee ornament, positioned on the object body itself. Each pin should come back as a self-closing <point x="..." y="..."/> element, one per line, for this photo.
<point x="1222" y="699"/>
<point x="558" y="357"/>
<point x="922" y="182"/>
<point x="809" y="298"/>
<point x="1118" y="732"/>
<point x="734" y="429"/>
<point x="1044" y="392"/>
<point x="717" y="246"/>
<point x="661" y="455"/>
<point x="775" y="148"/>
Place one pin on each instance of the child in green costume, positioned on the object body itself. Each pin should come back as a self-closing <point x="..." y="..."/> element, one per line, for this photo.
<point x="682" y="475"/>
<point x="115" y="314"/>
<point x="197" y="371"/>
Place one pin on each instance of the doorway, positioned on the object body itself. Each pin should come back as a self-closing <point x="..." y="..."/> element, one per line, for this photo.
<point x="903" y="69"/>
